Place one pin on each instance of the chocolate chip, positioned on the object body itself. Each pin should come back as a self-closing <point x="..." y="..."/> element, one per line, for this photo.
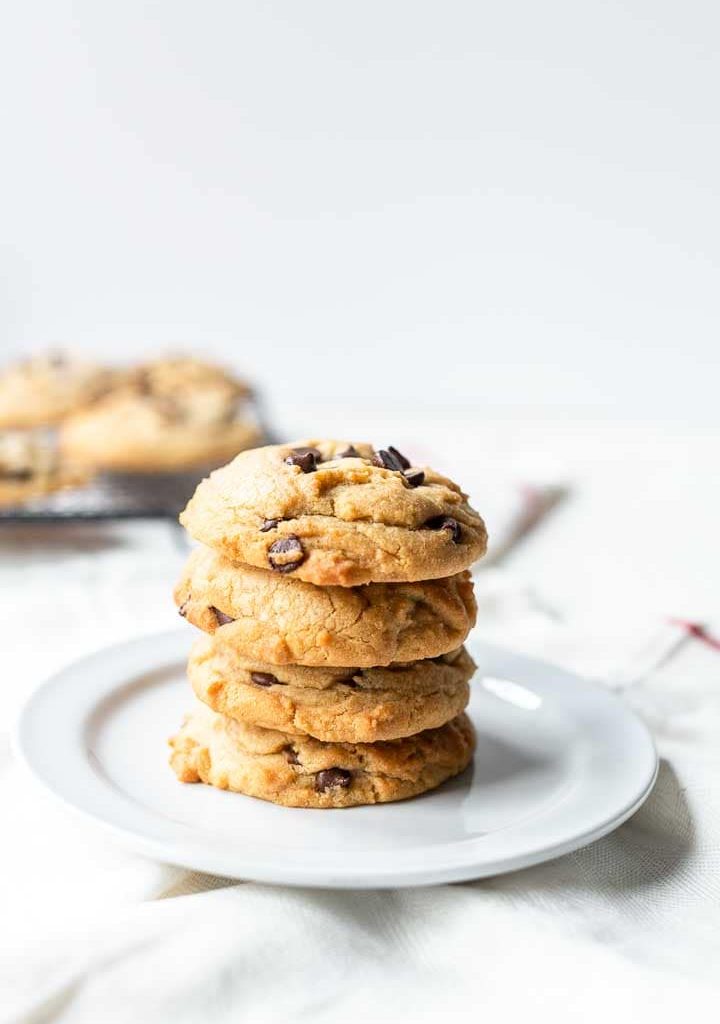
<point x="182" y="610"/>
<point x="269" y="524"/>
<point x="16" y="474"/>
<point x="350" y="453"/>
<point x="446" y="523"/>
<point x="264" y="678"/>
<point x="222" y="618"/>
<point x="415" y="477"/>
<point x="332" y="778"/>
<point x="306" y="458"/>
<point x="387" y="460"/>
<point x="291" y="755"/>
<point x="405" y="463"/>
<point x="286" y="554"/>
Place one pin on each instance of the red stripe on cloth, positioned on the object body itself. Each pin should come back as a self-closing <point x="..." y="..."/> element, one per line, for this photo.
<point x="697" y="630"/>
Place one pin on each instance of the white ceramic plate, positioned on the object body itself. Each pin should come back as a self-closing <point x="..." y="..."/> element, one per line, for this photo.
<point x="559" y="763"/>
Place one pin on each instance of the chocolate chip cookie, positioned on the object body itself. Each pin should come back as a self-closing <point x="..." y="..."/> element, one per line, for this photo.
<point x="334" y="513"/>
<point x="45" y="388"/>
<point x="30" y="466"/>
<point x="299" y="771"/>
<point x="283" y="620"/>
<point x="349" y="705"/>
<point x="171" y="415"/>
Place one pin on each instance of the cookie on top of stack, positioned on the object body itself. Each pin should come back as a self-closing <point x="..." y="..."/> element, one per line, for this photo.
<point x="332" y="589"/>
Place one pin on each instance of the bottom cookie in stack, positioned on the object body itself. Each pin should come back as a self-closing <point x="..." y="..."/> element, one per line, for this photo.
<point x="301" y="771"/>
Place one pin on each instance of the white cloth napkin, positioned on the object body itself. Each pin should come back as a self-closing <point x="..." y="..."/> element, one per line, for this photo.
<point x="91" y="934"/>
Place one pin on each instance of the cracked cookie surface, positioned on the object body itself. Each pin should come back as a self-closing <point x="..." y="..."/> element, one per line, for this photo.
<point x="349" y="705"/>
<point x="303" y="772"/>
<point x="283" y="620"/>
<point x="334" y="513"/>
<point x="171" y="414"/>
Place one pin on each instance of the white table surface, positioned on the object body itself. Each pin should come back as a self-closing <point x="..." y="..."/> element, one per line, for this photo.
<point x="634" y="542"/>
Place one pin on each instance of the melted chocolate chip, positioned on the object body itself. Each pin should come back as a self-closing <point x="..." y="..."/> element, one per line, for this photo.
<point x="16" y="474"/>
<point x="387" y="460"/>
<point x="182" y="610"/>
<point x="415" y="477"/>
<point x="350" y="452"/>
<point x="291" y="755"/>
<point x="286" y="554"/>
<point x="332" y="778"/>
<point x="264" y="678"/>
<point x="222" y="618"/>
<point x="405" y="463"/>
<point x="269" y="524"/>
<point x="446" y="523"/>
<point x="306" y="458"/>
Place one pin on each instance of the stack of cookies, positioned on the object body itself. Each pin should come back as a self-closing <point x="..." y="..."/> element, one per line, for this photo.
<point x="334" y="598"/>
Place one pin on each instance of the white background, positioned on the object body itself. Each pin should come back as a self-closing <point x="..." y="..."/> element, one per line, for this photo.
<point x="512" y="203"/>
<point x="485" y="231"/>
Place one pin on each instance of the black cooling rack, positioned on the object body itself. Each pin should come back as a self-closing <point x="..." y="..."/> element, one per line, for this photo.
<point x="111" y="496"/>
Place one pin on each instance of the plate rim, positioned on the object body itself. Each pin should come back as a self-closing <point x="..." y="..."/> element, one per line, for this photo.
<point x="170" y="850"/>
